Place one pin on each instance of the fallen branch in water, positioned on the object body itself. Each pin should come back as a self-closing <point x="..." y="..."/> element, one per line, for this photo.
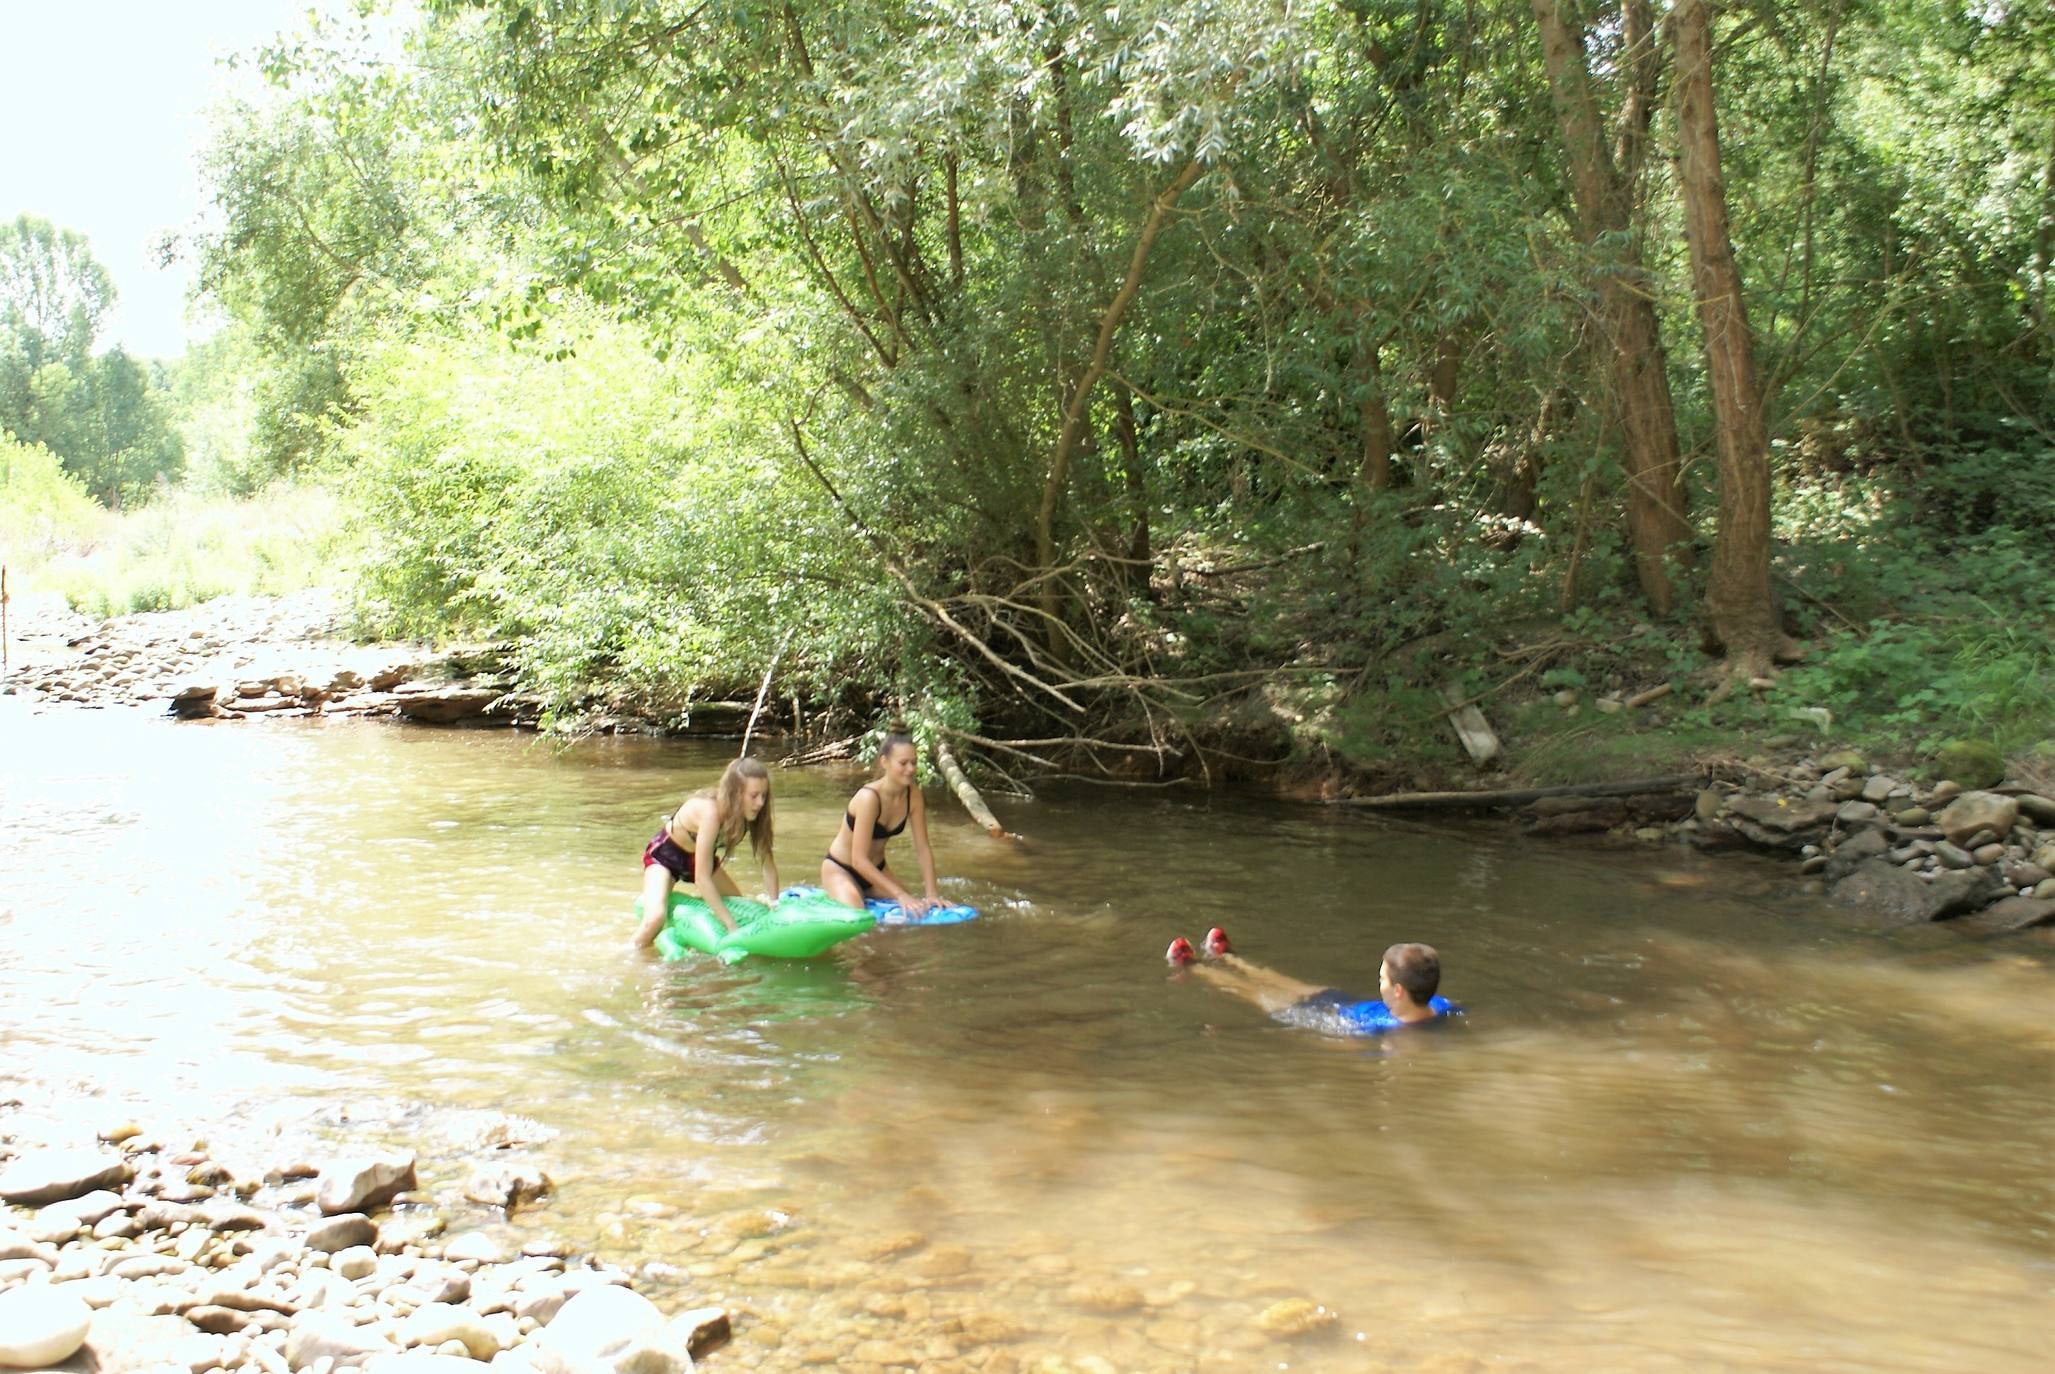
<point x="968" y="794"/>
<point x="1451" y="801"/>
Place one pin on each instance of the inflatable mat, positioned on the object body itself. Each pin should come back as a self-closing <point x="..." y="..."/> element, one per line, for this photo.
<point x="796" y="928"/>
<point x="890" y="913"/>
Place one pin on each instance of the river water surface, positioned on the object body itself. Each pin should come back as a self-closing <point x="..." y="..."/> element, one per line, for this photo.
<point x="1696" y="1119"/>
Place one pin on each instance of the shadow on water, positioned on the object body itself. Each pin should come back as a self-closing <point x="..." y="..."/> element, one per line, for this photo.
<point x="1695" y="1119"/>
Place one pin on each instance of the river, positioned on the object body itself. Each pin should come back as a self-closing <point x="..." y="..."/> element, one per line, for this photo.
<point x="1694" y="1119"/>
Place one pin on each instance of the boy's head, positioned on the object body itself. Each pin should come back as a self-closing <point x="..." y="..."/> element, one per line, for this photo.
<point x="1413" y="969"/>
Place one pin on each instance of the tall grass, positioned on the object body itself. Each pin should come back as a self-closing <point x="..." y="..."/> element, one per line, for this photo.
<point x="185" y="548"/>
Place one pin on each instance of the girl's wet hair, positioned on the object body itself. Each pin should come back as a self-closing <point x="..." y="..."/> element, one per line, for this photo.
<point x="727" y="796"/>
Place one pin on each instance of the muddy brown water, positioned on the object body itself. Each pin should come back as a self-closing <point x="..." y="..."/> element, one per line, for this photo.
<point x="1696" y="1119"/>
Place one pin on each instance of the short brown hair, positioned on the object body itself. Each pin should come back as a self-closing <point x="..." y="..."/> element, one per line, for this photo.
<point x="1416" y="968"/>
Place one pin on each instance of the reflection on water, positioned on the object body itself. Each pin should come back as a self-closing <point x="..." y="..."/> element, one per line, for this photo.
<point x="1695" y="1120"/>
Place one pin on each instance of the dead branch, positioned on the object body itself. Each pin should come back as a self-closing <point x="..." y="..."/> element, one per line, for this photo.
<point x="1457" y="801"/>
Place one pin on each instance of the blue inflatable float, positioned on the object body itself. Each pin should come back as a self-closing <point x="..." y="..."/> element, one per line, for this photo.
<point x="887" y="912"/>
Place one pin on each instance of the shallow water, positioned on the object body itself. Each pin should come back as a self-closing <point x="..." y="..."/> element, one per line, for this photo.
<point x="1696" y="1119"/>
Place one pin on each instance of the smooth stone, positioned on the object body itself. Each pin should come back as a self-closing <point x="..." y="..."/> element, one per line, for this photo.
<point x="474" y="1245"/>
<point x="90" y="1210"/>
<point x="1913" y="815"/>
<point x="349" y="1231"/>
<point x="316" y="1336"/>
<point x="2045" y="891"/>
<point x="1953" y="856"/>
<point x="1988" y="853"/>
<point x="1878" y="788"/>
<point x="354" y="1262"/>
<point x="2039" y="809"/>
<point x="1856" y="812"/>
<point x="609" y="1330"/>
<point x="1972" y="812"/>
<point x="438" y="1322"/>
<point x="55" y="1175"/>
<point x="148" y="1267"/>
<point x="41" y="1325"/>
<point x="16" y="1246"/>
<point x="365" y="1182"/>
<point x="1944" y="791"/>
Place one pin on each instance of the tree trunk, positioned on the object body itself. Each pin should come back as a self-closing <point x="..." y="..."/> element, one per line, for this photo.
<point x="1657" y="522"/>
<point x="1738" y="598"/>
<point x="1078" y="406"/>
<point x="1139" y="549"/>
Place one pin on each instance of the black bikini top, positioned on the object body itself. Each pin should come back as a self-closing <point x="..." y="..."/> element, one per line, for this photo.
<point x="878" y="831"/>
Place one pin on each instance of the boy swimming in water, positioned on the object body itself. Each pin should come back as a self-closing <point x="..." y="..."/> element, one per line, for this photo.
<point x="1406" y="985"/>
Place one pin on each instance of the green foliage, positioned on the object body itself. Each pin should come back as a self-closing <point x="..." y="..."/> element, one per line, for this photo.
<point x="43" y="508"/>
<point x="1973" y="763"/>
<point x="669" y="338"/>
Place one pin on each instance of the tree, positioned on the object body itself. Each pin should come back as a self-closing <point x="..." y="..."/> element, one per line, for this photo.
<point x="1738" y="601"/>
<point x="53" y="293"/>
<point x="1657" y="514"/>
<point x="102" y="416"/>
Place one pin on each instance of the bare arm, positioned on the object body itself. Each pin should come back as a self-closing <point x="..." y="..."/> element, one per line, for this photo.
<point x="917" y="807"/>
<point x="771" y="886"/>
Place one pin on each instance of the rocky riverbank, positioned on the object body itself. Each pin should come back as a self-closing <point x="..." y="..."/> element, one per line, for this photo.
<point x="128" y="1254"/>
<point x="1900" y="851"/>
<point x="245" y="657"/>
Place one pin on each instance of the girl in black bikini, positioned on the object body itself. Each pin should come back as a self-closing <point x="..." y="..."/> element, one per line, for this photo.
<point x="855" y="866"/>
<point x="709" y="825"/>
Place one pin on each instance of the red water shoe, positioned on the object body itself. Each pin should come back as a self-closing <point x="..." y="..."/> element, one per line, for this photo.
<point x="1180" y="952"/>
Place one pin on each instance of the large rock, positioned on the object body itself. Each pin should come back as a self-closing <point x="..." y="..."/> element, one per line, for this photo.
<point x="447" y="705"/>
<point x="1781" y="814"/>
<point x="2017" y="913"/>
<point x="609" y="1331"/>
<point x="1879" y="886"/>
<point x="1869" y="844"/>
<point x="41" y="1325"/>
<point x="507" y="1186"/>
<point x="2036" y="808"/>
<point x="358" y="1185"/>
<point x="345" y="1232"/>
<point x="54" y="1175"/>
<point x="90" y="1210"/>
<point x="1975" y="811"/>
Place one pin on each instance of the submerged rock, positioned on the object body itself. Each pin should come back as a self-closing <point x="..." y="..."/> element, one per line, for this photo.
<point x="1296" y="1317"/>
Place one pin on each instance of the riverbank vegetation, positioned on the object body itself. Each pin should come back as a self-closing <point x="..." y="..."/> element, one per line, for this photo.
<point x="1186" y="389"/>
